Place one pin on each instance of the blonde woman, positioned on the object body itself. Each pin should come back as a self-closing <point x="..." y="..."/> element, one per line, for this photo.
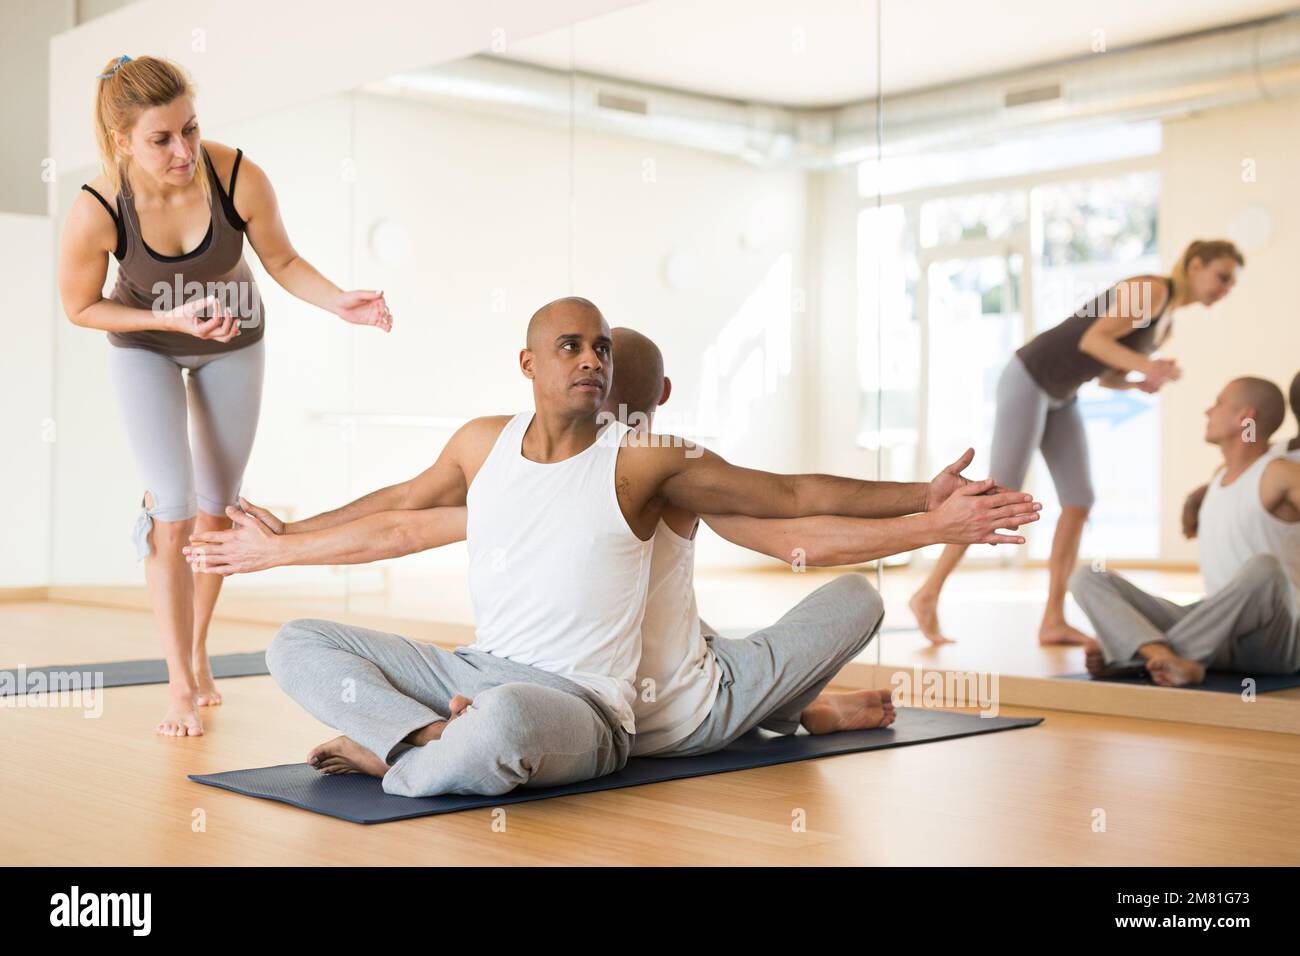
<point x="173" y="210"/>
<point x="1037" y="407"/>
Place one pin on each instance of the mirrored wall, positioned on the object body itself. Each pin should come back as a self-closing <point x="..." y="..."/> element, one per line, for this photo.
<point x="837" y="225"/>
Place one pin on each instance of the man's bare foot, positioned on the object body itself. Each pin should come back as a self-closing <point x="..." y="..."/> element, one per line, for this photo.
<point x="430" y="732"/>
<point x="345" y="755"/>
<point x="182" y="718"/>
<point x="852" y="710"/>
<point x="1093" y="658"/>
<point x="1058" y="632"/>
<point x="206" y="693"/>
<point x="925" y="608"/>
<point x="1170" y="670"/>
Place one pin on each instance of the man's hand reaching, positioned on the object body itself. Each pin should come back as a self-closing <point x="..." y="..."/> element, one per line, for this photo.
<point x="948" y="481"/>
<point x="251" y="545"/>
<point x="977" y="511"/>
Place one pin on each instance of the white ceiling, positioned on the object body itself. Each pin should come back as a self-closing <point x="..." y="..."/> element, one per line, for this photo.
<point x="748" y="49"/>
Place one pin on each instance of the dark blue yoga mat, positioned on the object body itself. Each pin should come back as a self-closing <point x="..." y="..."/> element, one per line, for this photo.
<point x="361" y="799"/>
<point x="1223" y="682"/>
<point x="55" y="677"/>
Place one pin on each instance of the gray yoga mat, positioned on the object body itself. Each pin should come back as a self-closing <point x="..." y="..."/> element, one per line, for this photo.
<point x="361" y="799"/>
<point x="1223" y="682"/>
<point x="55" y="677"/>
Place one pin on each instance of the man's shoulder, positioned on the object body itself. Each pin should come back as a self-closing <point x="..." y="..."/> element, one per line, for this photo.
<point x="487" y="425"/>
<point x="474" y="440"/>
<point x="657" y="453"/>
<point x="1282" y="468"/>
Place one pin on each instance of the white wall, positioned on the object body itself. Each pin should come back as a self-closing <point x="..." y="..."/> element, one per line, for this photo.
<point x="27" y="427"/>
<point x="25" y="30"/>
<point x="249" y="57"/>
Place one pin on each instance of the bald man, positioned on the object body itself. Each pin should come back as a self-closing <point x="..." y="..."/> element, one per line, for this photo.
<point x="698" y="691"/>
<point x="1192" y="505"/>
<point x="559" y="509"/>
<point x="1250" y="559"/>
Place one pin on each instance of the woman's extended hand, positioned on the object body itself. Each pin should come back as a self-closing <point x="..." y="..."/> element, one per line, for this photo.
<point x="363" y="307"/>
<point x="1158" y="373"/>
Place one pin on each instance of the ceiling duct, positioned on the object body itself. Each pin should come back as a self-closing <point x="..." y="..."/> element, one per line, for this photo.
<point x="1157" y="80"/>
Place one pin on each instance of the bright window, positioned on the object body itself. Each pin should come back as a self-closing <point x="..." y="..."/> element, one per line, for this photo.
<point x="942" y="284"/>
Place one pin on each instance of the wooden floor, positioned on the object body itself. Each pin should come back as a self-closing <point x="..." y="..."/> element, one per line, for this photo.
<point x="106" y="790"/>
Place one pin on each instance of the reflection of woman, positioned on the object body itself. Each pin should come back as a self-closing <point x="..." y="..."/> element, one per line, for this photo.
<point x="166" y="208"/>
<point x="1037" y="406"/>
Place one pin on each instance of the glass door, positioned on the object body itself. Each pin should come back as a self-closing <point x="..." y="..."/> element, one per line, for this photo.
<point x="971" y="299"/>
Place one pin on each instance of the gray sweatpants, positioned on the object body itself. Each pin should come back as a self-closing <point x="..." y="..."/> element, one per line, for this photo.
<point x="526" y="727"/>
<point x="1249" y="625"/>
<point x="769" y="677"/>
<point x="222" y="394"/>
<point x="1027" y="418"/>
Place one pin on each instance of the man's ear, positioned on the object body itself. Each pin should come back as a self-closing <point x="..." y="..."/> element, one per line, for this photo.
<point x="526" y="363"/>
<point x="668" y="390"/>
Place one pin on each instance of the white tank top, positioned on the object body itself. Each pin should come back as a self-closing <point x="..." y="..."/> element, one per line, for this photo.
<point x="1234" y="526"/>
<point x="677" y="681"/>
<point x="557" y="578"/>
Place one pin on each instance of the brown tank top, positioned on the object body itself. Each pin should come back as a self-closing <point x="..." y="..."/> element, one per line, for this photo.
<point x="1053" y="358"/>
<point x="147" y="279"/>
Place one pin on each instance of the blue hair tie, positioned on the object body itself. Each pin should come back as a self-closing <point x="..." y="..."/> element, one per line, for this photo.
<point x="116" y="66"/>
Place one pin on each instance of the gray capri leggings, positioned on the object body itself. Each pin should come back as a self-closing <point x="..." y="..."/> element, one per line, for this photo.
<point x="1029" y="418"/>
<point x="225" y="396"/>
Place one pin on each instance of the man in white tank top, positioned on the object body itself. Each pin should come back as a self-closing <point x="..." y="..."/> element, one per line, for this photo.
<point x="697" y="691"/>
<point x="562" y="510"/>
<point x="1249" y="529"/>
<point x="1192" y="506"/>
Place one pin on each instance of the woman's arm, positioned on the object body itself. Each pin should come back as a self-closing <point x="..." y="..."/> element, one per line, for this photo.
<point x="1101" y="338"/>
<point x="1113" y="378"/>
<point x="256" y="204"/>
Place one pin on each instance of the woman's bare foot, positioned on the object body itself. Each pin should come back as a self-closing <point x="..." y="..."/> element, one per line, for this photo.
<point x="345" y="755"/>
<point x="1058" y="632"/>
<point x="1170" y="670"/>
<point x="925" y="608"/>
<point x="206" y="693"/>
<point x="852" y="710"/>
<point x="182" y="717"/>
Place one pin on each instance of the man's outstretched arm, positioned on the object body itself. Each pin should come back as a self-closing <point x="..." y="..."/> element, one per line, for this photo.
<point x="442" y="484"/>
<point x="251" y="546"/>
<point x="969" y="516"/>
<point x="701" y="481"/>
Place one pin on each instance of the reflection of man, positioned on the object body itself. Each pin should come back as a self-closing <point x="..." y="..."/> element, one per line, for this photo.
<point x="1249" y="526"/>
<point x="1192" y="506"/>
<point x="560" y="519"/>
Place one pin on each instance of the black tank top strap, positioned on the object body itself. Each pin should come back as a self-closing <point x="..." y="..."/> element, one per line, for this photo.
<point x="227" y="204"/>
<point x="120" y="251"/>
<point x="234" y="172"/>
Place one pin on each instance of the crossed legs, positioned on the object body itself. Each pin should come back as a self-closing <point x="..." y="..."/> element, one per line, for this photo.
<point x="775" y="678"/>
<point x="426" y="721"/>
<point x="1249" y="625"/>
